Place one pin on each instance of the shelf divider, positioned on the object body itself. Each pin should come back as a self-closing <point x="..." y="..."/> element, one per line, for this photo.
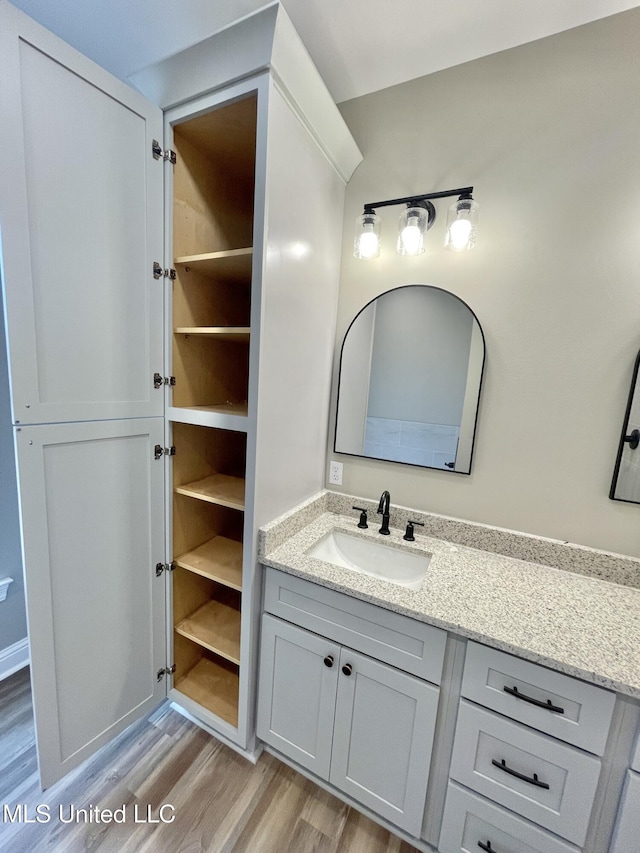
<point x="235" y="334"/>
<point x="231" y="264"/>
<point x="219" y="559"/>
<point x="214" y="687"/>
<point x="214" y="626"/>
<point x="217" y="489"/>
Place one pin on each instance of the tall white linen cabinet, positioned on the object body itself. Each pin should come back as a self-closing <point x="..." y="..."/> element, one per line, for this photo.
<point x="170" y="333"/>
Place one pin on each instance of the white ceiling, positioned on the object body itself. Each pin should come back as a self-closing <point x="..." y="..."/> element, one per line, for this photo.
<point x="359" y="46"/>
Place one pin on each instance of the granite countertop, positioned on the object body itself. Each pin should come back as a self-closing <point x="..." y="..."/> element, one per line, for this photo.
<point x="572" y="622"/>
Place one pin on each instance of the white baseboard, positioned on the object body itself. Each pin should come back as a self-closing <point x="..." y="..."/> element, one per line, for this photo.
<point x="14" y="658"/>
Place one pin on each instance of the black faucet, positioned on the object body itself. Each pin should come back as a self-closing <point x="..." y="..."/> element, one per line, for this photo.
<point x="383" y="508"/>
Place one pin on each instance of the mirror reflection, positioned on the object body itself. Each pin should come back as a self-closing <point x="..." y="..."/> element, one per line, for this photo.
<point x="410" y="374"/>
<point x="626" y="473"/>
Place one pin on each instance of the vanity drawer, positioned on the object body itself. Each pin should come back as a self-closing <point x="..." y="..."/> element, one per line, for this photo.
<point x="578" y="713"/>
<point x="471" y="824"/>
<point x="538" y="777"/>
<point x="382" y="634"/>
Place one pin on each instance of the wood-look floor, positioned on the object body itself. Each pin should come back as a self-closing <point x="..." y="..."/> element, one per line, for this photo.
<point x="223" y="803"/>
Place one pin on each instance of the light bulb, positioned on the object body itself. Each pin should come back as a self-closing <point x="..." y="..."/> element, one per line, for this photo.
<point x="459" y="233"/>
<point x="462" y="224"/>
<point x="366" y="244"/>
<point x="411" y="237"/>
<point x="411" y="228"/>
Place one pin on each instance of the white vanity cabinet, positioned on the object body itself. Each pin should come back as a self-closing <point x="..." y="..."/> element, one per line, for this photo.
<point x="521" y="766"/>
<point x="362" y="725"/>
<point x="148" y="332"/>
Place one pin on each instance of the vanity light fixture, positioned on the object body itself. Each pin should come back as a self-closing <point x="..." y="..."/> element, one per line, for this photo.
<point x="417" y="218"/>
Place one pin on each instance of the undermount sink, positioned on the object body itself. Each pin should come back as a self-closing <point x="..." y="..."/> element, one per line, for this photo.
<point x="371" y="558"/>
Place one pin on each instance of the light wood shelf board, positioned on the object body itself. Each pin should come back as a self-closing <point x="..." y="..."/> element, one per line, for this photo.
<point x="231" y="264"/>
<point x="218" y="489"/>
<point x="219" y="559"/>
<point x="213" y="687"/>
<point x="235" y="334"/>
<point x="231" y="416"/>
<point x="214" y="256"/>
<point x="214" y="626"/>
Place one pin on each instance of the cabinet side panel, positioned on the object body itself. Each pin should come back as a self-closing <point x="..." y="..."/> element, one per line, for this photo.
<point x="299" y="297"/>
<point x="91" y="497"/>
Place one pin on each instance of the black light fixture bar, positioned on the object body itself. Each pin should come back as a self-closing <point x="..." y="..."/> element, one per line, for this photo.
<point x="412" y="199"/>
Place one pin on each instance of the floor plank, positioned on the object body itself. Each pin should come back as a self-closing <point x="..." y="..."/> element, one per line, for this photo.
<point x="218" y="802"/>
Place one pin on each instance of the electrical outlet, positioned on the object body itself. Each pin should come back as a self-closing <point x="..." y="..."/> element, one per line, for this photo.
<point x="335" y="473"/>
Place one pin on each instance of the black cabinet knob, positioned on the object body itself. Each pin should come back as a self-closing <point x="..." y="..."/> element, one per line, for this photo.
<point x="347" y="669"/>
<point x="328" y="661"/>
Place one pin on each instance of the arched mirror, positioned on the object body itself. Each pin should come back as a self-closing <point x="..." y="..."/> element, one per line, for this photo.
<point x="410" y="375"/>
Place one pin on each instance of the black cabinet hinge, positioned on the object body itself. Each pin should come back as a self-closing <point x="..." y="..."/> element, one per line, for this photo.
<point x="168" y="671"/>
<point x="165" y="567"/>
<point x="159" y="451"/>
<point x="160" y="272"/>
<point x="159" y="380"/>
<point x="160" y="154"/>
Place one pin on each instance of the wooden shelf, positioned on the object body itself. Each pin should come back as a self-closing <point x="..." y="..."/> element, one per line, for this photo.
<point x="232" y="264"/>
<point x="219" y="559"/>
<point x="213" y="687"/>
<point x="238" y="409"/>
<point x="217" y="489"/>
<point x="236" y="334"/>
<point x="214" y="626"/>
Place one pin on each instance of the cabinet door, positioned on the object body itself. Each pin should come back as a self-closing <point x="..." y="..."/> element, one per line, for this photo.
<point x="81" y="225"/>
<point x="91" y="498"/>
<point x="384" y="728"/>
<point x="297" y="693"/>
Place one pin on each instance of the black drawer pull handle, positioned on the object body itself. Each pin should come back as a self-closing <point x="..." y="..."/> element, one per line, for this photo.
<point x="487" y="847"/>
<point x="347" y="669"/>
<point x="328" y="661"/>
<point x="548" y="705"/>
<point x="502" y="765"/>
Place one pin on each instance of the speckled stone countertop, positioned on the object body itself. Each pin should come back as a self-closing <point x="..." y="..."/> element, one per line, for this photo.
<point x="571" y="620"/>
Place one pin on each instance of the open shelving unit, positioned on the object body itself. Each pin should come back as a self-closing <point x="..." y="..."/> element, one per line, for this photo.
<point x="211" y="335"/>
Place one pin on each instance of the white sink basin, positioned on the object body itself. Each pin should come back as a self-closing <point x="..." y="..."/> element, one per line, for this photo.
<point x="371" y="558"/>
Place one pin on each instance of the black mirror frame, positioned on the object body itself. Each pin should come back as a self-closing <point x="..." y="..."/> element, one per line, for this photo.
<point x="475" y="422"/>
<point x="632" y="440"/>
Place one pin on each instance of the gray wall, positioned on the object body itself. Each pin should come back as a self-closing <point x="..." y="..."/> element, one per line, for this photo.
<point x="421" y="341"/>
<point x="13" y="624"/>
<point x="548" y="135"/>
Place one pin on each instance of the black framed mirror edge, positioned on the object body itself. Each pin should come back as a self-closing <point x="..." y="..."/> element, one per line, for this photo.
<point x="623" y="435"/>
<point x="480" y="383"/>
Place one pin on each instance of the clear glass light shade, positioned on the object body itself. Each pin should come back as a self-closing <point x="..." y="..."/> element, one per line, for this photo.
<point x="462" y="225"/>
<point x="366" y="244"/>
<point x="411" y="228"/>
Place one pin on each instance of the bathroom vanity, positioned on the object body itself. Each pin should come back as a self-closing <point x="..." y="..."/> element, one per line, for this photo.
<point x="494" y="708"/>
